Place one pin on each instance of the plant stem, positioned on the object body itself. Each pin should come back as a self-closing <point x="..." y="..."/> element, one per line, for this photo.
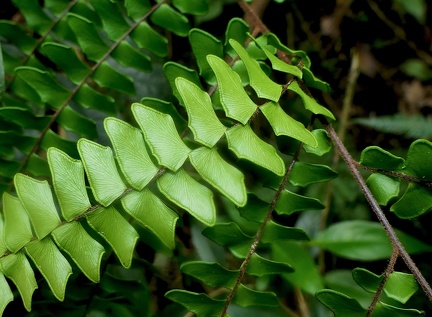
<point x="389" y="270"/>
<point x="343" y="152"/>
<point x="260" y="231"/>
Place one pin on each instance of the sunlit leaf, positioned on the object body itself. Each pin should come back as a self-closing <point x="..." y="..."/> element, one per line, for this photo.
<point x="122" y="237"/>
<point x="6" y="295"/>
<point x="131" y="152"/>
<point x="17" y="268"/>
<point x="223" y="176"/>
<point x="84" y="250"/>
<point x="234" y="99"/>
<point x="247" y="145"/>
<point x="283" y="124"/>
<point x="203" y="122"/>
<point x="187" y="193"/>
<point x="36" y="196"/>
<point x="17" y="227"/>
<point x="162" y="137"/>
<point x="260" y="82"/>
<point x="51" y="263"/>
<point x="153" y="214"/>
<point x="101" y="170"/>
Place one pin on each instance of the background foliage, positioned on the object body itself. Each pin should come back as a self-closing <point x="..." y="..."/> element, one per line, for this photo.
<point x="54" y="95"/>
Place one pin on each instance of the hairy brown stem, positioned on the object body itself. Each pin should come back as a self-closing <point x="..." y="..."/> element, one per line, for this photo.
<point x="389" y="270"/>
<point x="352" y="166"/>
<point x="260" y="231"/>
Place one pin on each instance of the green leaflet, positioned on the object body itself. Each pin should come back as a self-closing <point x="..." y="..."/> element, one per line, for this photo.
<point x="66" y="59"/>
<point x="314" y="82"/>
<point x="17" y="268"/>
<point x="306" y="275"/>
<point x="234" y="99"/>
<point x="273" y="40"/>
<point x="414" y="202"/>
<point x="52" y="139"/>
<point x="255" y="209"/>
<point x="137" y="8"/>
<point x="211" y="274"/>
<point x="227" y="234"/>
<point x="203" y="122"/>
<point x="290" y="202"/>
<point x="106" y="76"/>
<point x="69" y="184"/>
<point x="246" y="144"/>
<point x="173" y="71"/>
<point x="17" y="227"/>
<point x="195" y="7"/>
<point x="51" y="263"/>
<point x="161" y="136"/>
<point x="24" y="117"/>
<point x="259" y="266"/>
<point x="376" y="157"/>
<point x="223" y="176"/>
<point x="187" y="193"/>
<point x="131" y="152"/>
<point x="85" y="251"/>
<point x="383" y="188"/>
<point x="237" y="30"/>
<point x="153" y="214"/>
<point x="203" y="44"/>
<point x="399" y="286"/>
<point x="16" y="34"/>
<point x="167" y="108"/>
<point x="87" y="35"/>
<point x="281" y="66"/>
<point x="3" y="246"/>
<point x="419" y="160"/>
<point x="304" y="174"/>
<point x="310" y="103"/>
<point x="75" y="122"/>
<point x="274" y="232"/>
<point x="6" y="295"/>
<point x="101" y="170"/>
<point x="47" y="88"/>
<point x="122" y="237"/>
<point x="2" y="74"/>
<point x="324" y="143"/>
<point x="283" y="124"/>
<point x="247" y="297"/>
<point x="146" y="37"/>
<point x="259" y="81"/>
<point x="168" y="18"/>
<point x="199" y="304"/>
<point x="113" y="22"/>
<point x="37" y="166"/>
<point x="37" y="199"/>
<point x="364" y="241"/>
<point x="340" y="304"/>
<point x="129" y="56"/>
<point x="91" y="98"/>
<point x="35" y="17"/>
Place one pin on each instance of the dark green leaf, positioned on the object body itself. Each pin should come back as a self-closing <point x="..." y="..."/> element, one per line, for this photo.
<point x="195" y="7"/>
<point x="129" y="56"/>
<point x="15" y="34"/>
<point x="247" y="297"/>
<point x="419" y="160"/>
<point x="364" y="241"/>
<point x="113" y="22"/>
<point x="24" y="117"/>
<point x="166" y="17"/>
<point x="75" y="122"/>
<point x="146" y="37"/>
<point x="199" y="304"/>
<point x="340" y="304"/>
<point x="211" y="274"/>
<point x="91" y="98"/>
<point x="259" y="266"/>
<point x="383" y="188"/>
<point x="237" y="30"/>
<point x="2" y="73"/>
<point x="324" y="143"/>
<point x="304" y="174"/>
<point x="415" y="201"/>
<point x="376" y="157"/>
<point x="255" y="209"/>
<point x="137" y="8"/>
<point x="226" y="234"/>
<point x="274" y="232"/>
<point x="106" y="76"/>
<point x="290" y="202"/>
<point x="35" y="17"/>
